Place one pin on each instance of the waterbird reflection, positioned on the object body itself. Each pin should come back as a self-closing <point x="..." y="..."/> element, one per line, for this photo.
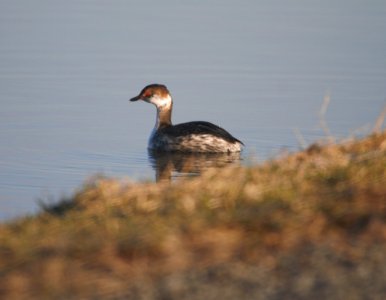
<point x="172" y="165"/>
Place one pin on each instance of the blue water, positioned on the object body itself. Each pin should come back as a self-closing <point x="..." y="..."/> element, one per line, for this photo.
<point x="260" y="69"/>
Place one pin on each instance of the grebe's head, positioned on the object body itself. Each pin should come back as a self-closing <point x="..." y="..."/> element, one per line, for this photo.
<point x="156" y="94"/>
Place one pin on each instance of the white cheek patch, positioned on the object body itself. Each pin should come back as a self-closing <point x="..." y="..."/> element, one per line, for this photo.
<point x="161" y="102"/>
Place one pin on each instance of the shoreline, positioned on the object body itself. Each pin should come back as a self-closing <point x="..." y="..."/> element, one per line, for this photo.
<point x="310" y="225"/>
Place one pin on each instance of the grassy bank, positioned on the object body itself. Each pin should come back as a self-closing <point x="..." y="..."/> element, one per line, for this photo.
<point x="311" y="225"/>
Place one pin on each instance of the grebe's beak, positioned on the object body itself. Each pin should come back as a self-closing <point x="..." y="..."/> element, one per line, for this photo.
<point x="136" y="98"/>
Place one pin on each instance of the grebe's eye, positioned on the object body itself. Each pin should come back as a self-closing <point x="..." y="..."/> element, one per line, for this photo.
<point x="147" y="95"/>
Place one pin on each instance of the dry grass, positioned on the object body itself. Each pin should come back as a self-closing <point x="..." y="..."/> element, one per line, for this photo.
<point x="311" y="225"/>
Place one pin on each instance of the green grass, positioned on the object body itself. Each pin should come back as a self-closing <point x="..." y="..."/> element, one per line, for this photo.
<point x="311" y="225"/>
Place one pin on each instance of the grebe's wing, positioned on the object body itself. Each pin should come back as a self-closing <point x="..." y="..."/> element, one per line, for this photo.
<point x="199" y="127"/>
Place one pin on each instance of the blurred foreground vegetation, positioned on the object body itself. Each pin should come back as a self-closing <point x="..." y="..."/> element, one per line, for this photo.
<point x="310" y="225"/>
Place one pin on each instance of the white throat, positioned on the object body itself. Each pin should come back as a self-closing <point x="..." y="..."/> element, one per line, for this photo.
<point x="161" y="102"/>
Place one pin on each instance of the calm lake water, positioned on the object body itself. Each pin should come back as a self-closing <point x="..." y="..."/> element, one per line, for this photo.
<point x="260" y="69"/>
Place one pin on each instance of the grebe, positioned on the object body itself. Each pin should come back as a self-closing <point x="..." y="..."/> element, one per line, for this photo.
<point x="197" y="136"/>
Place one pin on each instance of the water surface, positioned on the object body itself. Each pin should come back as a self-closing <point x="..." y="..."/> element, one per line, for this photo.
<point x="257" y="68"/>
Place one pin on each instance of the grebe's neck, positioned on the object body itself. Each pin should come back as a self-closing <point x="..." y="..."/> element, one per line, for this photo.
<point x="164" y="112"/>
<point x="164" y="117"/>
